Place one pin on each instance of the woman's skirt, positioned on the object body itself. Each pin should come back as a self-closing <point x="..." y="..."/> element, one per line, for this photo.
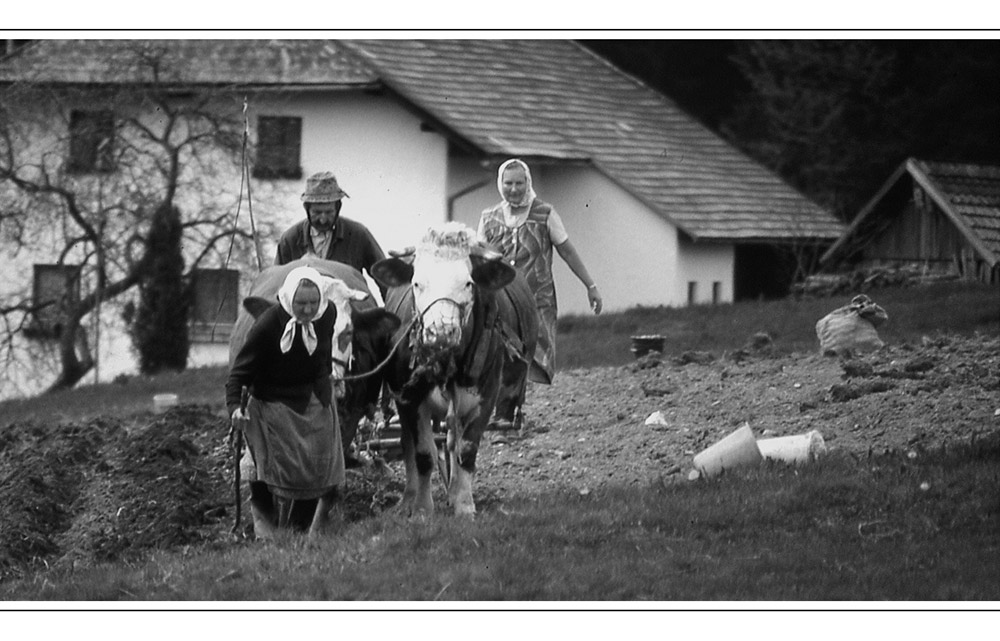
<point x="299" y="456"/>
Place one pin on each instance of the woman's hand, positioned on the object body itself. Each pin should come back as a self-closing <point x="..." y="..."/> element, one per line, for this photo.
<point x="594" y="296"/>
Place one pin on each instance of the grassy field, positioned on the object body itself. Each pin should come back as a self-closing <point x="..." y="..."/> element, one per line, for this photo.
<point x="837" y="531"/>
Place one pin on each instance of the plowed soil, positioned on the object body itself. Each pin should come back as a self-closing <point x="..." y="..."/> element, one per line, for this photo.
<point x="111" y="490"/>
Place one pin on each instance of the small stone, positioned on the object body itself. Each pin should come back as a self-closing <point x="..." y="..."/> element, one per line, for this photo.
<point x="584" y="491"/>
<point x="925" y="486"/>
<point x="911" y="455"/>
<point x="694" y="475"/>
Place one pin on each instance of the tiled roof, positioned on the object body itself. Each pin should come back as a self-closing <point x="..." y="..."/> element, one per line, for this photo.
<point x="539" y="99"/>
<point x="972" y="195"/>
<point x="556" y="99"/>
<point x="188" y="62"/>
<point x="968" y="194"/>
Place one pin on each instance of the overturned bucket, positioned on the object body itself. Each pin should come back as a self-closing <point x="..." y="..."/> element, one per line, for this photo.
<point x="738" y="449"/>
<point x="800" y="448"/>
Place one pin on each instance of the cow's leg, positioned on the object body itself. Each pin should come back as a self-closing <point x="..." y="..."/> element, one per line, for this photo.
<point x="465" y="434"/>
<point x="425" y="460"/>
<point x="408" y="426"/>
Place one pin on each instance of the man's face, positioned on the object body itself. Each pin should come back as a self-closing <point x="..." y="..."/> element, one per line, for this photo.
<point x="323" y="216"/>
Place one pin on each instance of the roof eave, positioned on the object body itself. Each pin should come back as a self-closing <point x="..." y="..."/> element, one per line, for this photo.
<point x="917" y="170"/>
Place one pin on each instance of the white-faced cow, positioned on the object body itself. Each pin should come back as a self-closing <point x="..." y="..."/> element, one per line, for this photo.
<point x="361" y="340"/>
<point x="471" y="320"/>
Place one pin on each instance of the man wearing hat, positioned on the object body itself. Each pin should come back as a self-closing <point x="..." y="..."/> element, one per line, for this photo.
<point x="325" y="233"/>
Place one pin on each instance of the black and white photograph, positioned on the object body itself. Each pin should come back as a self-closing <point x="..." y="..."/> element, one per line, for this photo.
<point x="566" y="321"/>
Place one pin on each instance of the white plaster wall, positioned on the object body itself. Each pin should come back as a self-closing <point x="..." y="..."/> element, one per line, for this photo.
<point x="630" y="251"/>
<point x="393" y="172"/>
<point x="705" y="264"/>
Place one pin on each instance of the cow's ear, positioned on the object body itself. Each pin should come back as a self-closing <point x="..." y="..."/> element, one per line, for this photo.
<point x="392" y="272"/>
<point x="255" y="305"/>
<point x="375" y="320"/>
<point x="490" y="272"/>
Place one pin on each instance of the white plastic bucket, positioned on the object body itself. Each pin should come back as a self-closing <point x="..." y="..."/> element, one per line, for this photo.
<point x="163" y="402"/>
<point x="738" y="449"/>
<point x="800" y="448"/>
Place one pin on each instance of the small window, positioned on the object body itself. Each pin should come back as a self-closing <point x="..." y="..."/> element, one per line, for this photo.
<point x="214" y="304"/>
<point x="279" y="146"/>
<point x="55" y="288"/>
<point x="91" y="141"/>
<point x="716" y="292"/>
<point x="692" y="292"/>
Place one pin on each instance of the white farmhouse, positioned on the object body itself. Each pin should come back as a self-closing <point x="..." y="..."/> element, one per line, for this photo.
<point x="662" y="210"/>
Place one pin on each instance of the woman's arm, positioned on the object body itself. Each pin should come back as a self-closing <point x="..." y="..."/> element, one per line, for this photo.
<point x="575" y="263"/>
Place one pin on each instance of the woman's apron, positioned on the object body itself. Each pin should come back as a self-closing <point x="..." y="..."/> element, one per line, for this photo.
<point x="299" y="456"/>
<point x="528" y="248"/>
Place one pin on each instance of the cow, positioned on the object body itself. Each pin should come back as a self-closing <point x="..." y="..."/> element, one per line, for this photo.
<point x="472" y="328"/>
<point x="361" y="341"/>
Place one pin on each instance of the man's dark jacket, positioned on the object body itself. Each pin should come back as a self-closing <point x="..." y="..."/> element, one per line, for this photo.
<point x="352" y="244"/>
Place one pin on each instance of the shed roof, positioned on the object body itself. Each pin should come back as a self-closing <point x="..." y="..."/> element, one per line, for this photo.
<point x="543" y="100"/>
<point x="968" y="194"/>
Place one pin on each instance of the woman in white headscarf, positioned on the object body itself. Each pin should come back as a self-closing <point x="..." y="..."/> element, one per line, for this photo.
<point x="291" y="425"/>
<point x="525" y="229"/>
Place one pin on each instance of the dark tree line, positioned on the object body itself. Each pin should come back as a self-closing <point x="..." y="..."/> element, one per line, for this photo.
<point x="833" y="117"/>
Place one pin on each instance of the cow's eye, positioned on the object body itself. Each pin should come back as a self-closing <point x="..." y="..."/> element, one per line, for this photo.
<point x="469" y="285"/>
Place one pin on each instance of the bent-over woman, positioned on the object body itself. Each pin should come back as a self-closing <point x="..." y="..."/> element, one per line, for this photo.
<point x="290" y="422"/>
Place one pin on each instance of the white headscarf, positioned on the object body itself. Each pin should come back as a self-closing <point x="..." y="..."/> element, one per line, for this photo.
<point x="529" y="192"/>
<point x="285" y="296"/>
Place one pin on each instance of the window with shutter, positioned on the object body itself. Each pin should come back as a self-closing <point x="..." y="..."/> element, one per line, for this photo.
<point x="91" y="142"/>
<point x="279" y="144"/>
<point x="54" y="289"/>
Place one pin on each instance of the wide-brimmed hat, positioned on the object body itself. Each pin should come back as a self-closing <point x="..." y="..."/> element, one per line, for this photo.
<point x="323" y="188"/>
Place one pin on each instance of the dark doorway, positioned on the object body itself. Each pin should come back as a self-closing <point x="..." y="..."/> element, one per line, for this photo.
<point x="768" y="271"/>
<point x="762" y="272"/>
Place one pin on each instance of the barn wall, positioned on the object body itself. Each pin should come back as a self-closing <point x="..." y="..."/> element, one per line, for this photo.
<point x="920" y="234"/>
<point x="630" y="251"/>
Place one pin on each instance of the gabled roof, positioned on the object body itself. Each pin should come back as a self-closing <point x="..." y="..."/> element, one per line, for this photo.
<point x="555" y="99"/>
<point x="544" y="100"/>
<point x="246" y="63"/>
<point x="968" y="194"/>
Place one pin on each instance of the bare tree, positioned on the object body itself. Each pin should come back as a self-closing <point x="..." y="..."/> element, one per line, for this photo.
<point x="83" y="170"/>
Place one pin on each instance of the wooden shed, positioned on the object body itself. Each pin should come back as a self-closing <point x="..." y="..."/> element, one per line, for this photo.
<point x="939" y="218"/>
